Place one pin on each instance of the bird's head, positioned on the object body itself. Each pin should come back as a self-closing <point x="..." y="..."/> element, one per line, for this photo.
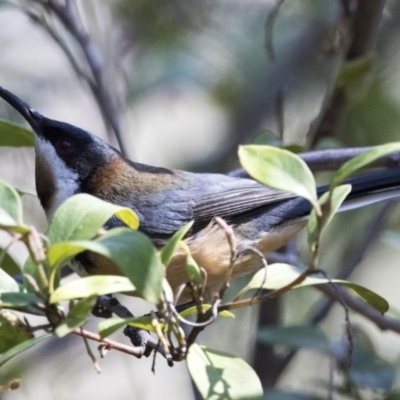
<point x="65" y="155"/>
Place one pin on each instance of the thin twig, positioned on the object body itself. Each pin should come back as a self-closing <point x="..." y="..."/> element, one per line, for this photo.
<point x="90" y="353"/>
<point x="68" y="15"/>
<point x="372" y="232"/>
<point x="362" y="35"/>
<point x="111" y="344"/>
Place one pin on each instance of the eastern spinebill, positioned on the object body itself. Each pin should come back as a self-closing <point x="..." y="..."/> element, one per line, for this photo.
<point x="70" y="160"/>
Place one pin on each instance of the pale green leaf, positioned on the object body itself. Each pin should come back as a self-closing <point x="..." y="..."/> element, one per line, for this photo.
<point x="95" y="285"/>
<point x="11" y="209"/>
<point x="22" y="190"/>
<point x="15" y="135"/>
<point x="339" y="194"/>
<point x="169" y="249"/>
<point x="220" y="375"/>
<point x="111" y="325"/>
<point x="361" y="161"/>
<point x="206" y="307"/>
<point x="131" y="251"/>
<point x="280" y="275"/>
<point x="136" y="256"/>
<point x="279" y="169"/>
<point x="82" y="216"/>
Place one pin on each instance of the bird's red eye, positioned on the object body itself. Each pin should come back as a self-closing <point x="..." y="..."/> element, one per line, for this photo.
<point x="64" y="146"/>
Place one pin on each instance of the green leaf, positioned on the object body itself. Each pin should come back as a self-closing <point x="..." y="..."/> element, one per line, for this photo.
<point x="15" y="135"/>
<point x="280" y="275"/>
<point x="7" y="283"/>
<point x="109" y="326"/>
<point x="206" y="307"/>
<point x="361" y="161"/>
<point x="169" y="249"/>
<point x="82" y="216"/>
<point x="77" y="316"/>
<point x="280" y="169"/>
<point x="19" y="300"/>
<point x="136" y="256"/>
<point x="219" y="375"/>
<point x="22" y="190"/>
<point x="11" y="209"/>
<point x="295" y="337"/>
<point x="339" y="194"/>
<point x="9" y="354"/>
<point x="131" y="251"/>
<point x="11" y="332"/>
<point x="8" y="264"/>
<point x="95" y="285"/>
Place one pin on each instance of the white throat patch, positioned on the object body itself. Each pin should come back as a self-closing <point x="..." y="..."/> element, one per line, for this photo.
<point x="63" y="179"/>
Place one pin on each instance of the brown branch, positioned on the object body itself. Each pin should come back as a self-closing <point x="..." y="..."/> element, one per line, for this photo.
<point x="111" y="344"/>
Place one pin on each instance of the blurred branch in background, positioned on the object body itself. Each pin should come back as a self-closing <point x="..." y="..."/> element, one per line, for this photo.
<point x="360" y="35"/>
<point x="53" y="13"/>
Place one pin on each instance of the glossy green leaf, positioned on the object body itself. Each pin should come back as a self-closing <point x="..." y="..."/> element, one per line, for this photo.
<point x="295" y="337"/>
<point x="15" y="135"/>
<point x="280" y="275"/>
<point x="361" y="161"/>
<point x="280" y="169"/>
<point x="111" y="325"/>
<point x="82" y="216"/>
<point x="339" y="194"/>
<point x="220" y="375"/>
<point x="206" y="307"/>
<point x="11" y="333"/>
<point x="77" y="316"/>
<point x="7" y="283"/>
<point x="9" y="354"/>
<point x="169" y="249"/>
<point x="131" y="251"/>
<point x="95" y="285"/>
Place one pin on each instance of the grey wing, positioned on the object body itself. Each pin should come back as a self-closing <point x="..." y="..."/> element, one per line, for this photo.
<point x="201" y="197"/>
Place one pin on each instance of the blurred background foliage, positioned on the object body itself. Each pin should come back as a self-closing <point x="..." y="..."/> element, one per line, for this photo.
<point x="189" y="81"/>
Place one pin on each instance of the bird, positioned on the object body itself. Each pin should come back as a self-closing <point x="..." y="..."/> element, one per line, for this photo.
<point x="70" y="160"/>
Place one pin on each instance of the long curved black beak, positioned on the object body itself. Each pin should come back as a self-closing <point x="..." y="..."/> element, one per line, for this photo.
<point x="31" y="115"/>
